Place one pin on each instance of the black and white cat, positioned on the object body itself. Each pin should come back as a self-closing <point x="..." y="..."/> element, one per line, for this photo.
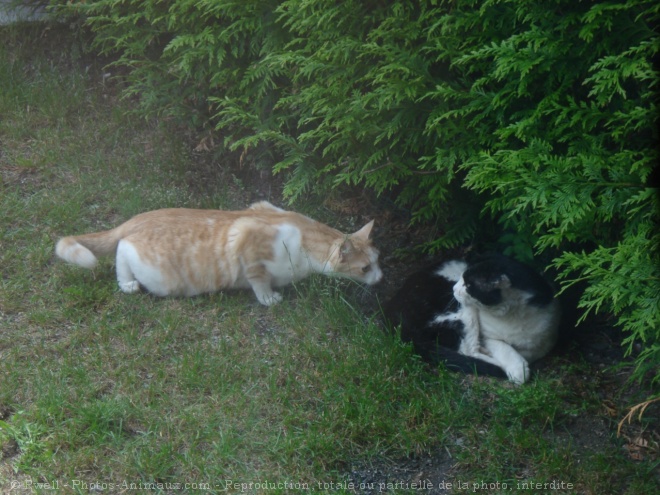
<point x="492" y="315"/>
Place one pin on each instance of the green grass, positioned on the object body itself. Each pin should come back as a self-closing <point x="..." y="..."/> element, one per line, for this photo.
<point x="99" y="386"/>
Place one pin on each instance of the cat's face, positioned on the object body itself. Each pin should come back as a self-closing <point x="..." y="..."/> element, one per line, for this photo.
<point x="482" y="291"/>
<point x="358" y="259"/>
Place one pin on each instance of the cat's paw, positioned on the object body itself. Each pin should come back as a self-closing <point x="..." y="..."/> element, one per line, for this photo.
<point x="129" y="287"/>
<point x="519" y="374"/>
<point x="269" y="299"/>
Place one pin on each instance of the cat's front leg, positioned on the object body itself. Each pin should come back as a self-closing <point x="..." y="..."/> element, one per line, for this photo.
<point x="260" y="281"/>
<point x="267" y="298"/>
<point x="514" y="365"/>
<point x="470" y="343"/>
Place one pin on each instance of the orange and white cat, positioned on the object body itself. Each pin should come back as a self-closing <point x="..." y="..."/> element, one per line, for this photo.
<point x="185" y="252"/>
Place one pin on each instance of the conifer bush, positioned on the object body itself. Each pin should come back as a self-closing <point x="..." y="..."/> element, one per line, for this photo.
<point x="541" y="116"/>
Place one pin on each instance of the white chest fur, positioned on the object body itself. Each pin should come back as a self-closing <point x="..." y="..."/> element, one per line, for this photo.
<point x="290" y="261"/>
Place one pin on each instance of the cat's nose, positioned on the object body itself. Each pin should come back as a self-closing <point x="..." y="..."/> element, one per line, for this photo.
<point x="374" y="276"/>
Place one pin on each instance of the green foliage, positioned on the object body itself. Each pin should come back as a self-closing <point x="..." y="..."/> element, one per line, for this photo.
<point x="540" y="115"/>
<point x="180" y="53"/>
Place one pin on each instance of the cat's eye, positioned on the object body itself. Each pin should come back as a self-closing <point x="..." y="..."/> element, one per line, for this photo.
<point x="366" y="269"/>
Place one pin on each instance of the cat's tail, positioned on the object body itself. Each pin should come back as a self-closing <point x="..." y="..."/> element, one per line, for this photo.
<point x="455" y="361"/>
<point x="82" y="250"/>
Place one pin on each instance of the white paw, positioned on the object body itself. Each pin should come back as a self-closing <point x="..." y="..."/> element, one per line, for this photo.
<point x="130" y="287"/>
<point x="519" y="374"/>
<point x="270" y="298"/>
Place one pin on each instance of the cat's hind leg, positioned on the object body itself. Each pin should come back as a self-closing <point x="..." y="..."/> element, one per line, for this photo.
<point x="133" y="273"/>
<point x="125" y="277"/>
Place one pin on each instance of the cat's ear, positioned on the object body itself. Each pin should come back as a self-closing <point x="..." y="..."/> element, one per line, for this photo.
<point x="364" y="232"/>
<point x="503" y="282"/>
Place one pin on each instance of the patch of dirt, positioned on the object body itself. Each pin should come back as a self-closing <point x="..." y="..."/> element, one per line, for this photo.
<point x="432" y="475"/>
<point x="21" y="178"/>
<point x="11" y="482"/>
